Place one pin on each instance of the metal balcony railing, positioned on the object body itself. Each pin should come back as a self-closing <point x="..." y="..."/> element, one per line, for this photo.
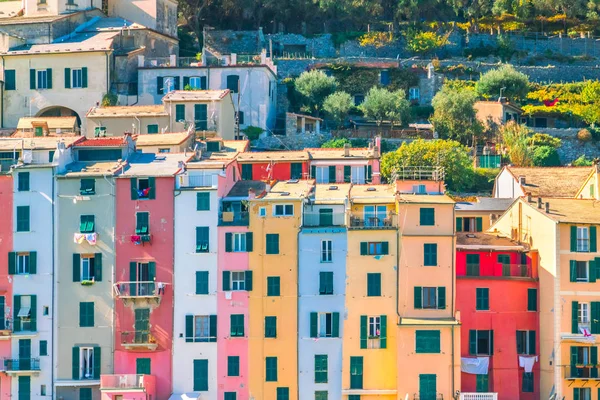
<point x="500" y="271"/>
<point x="479" y="396"/>
<point x="373" y="222"/>
<point x="138" y="289"/>
<point x="198" y="180"/>
<point x="126" y="382"/>
<point x="139" y="338"/>
<point x="316" y="218"/>
<point x="231" y="218"/>
<point x="21" y="364"/>
<point x="588" y="372"/>
<point x="419" y="173"/>
<point x="437" y="396"/>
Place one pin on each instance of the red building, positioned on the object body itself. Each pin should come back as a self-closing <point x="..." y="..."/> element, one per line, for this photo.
<point x="497" y="296"/>
<point x="6" y="296"/>
<point x="275" y="165"/>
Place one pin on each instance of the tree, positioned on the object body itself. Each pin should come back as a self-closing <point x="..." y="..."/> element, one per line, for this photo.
<point x="454" y="116"/>
<point x="517" y="139"/>
<point x="515" y="83"/>
<point x="337" y="105"/>
<point x="545" y="156"/>
<point x="315" y="86"/>
<point x="450" y="154"/>
<point x="424" y="42"/>
<point x="337" y="143"/>
<point x="383" y="105"/>
<point x="583" y="161"/>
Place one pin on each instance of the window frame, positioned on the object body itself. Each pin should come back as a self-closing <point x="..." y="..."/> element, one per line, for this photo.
<point x="76" y="77"/>
<point x="583" y="241"/>
<point x="41" y="79"/>
<point x="435" y="297"/>
<point x="91" y="266"/>
<point x="326" y="251"/>
<point x="586" y="268"/>
<point x="238" y="242"/>
<point x="327" y="319"/>
<point x="83" y="351"/>
<point x="241" y="284"/>
<point x="199" y="337"/>
<point x="283" y="210"/>
<point x="23" y="263"/>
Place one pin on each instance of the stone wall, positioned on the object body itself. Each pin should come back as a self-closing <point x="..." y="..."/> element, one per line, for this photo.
<point x="294" y="142"/>
<point x="571" y="148"/>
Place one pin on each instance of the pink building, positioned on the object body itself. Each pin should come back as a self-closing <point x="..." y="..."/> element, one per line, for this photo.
<point x="6" y="246"/>
<point x="144" y="278"/>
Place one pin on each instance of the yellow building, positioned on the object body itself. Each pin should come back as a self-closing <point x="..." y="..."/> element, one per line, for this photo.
<point x="369" y="363"/>
<point x="589" y="190"/>
<point x="564" y="232"/>
<point x="275" y="221"/>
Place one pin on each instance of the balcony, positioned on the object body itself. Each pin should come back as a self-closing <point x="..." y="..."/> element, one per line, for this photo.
<point x="324" y="219"/>
<point x="5" y="329"/>
<point x="128" y="383"/>
<point x="21" y="366"/>
<point x="139" y="340"/>
<point x="497" y="271"/>
<point x="437" y="396"/>
<point x="139" y="293"/>
<point x="581" y="372"/>
<point x="373" y="222"/>
<point x="139" y="238"/>
<point x="479" y="396"/>
<point x="193" y="181"/>
<point x="231" y="218"/>
<point x="420" y="173"/>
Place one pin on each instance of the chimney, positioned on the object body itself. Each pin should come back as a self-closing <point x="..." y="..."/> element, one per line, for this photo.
<point x="251" y="194"/>
<point x="540" y="203"/>
<point x="267" y="187"/>
<point x="547" y="208"/>
<point x="522" y="180"/>
<point x="347" y="150"/>
<point x="529" y="197"/>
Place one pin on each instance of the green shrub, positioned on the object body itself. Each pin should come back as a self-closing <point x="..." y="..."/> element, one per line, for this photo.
<point x="109" y="99"/>
<point x="336" y="143"/>
<point x="543" y="139"/>
<point x="253" y="132"/>
<point x="582" y="161"/>
<point x="545" y="156"/>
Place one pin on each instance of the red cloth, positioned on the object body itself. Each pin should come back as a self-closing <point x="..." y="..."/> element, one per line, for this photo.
<point x="136" y="238"/>
<point x="551" y="103"/>
<point x="146" y="192"/>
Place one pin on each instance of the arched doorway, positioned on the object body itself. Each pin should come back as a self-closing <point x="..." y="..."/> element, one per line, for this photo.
<point x="59" y="111"/>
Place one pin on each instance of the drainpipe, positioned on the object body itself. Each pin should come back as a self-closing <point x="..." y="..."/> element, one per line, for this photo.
<point x="2" y="98"/>
<point x="298" y="300"/>
<point x="53" y="281"/>
<point x="139" y="125"/>
<point x="107" y="74"/>
<point x="453" y="284"/>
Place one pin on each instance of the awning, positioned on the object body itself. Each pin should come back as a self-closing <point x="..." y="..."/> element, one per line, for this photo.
<point x="24" y="312"/>
<point x="429" y="321"/>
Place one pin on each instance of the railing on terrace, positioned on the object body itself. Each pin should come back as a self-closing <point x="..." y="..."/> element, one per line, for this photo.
<point x="126" y="381"/>
<point x="141" y="338"/>
<point x="21" y="364"/>
<point x="500" y="271"/>
<point x="316" y="218"/>
<point x="408" y="133"/>
<point x="190" y="62"/>
<point x="198" y="180"/>
<point x="6" y="164"/>
<point x="479" y="396"/>
<point x="231" y="218"/>
<point x="588" y="372"/>
<point x="419" y="173"/>
<point x="138" y="289"/>
<point x="373" y="222"/>
<point x="437" y="396"/>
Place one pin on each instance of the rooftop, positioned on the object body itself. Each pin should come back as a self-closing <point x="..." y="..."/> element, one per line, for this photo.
<point x="52" y="122"/>
<point x="289" y="190"/>
<point x="551" y="181"/>
<point x="335" y="193"/>
<point x="484" y="204"/>
<point x="267" y="156"/>
<point x="10" y="9"/>
<point x="371" y="194"/>
<point x="38" y="143"/>
<point x="425" y="199"/>
<point x="112" y="24"/>
<point x="473" y="241"/>
<point x="503" y="103"/>
<point x="127" y="111"/>
<point x="103" y="142"/>
<point x="162" y="139"/>
<point x="196" y="95"/>
<point x="79" y="168"/>
<point x="241" y="188"/>
<point x="334" y="154"/>
<point x="82" y="42"/>
<point x="574" y="211"/>
<point x="149" y="164"/>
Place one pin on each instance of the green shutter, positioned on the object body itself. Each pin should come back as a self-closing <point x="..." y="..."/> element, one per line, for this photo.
<point x="479" y="224"/>
<point x="418" y="297"/>
<point x="10" y="78"/>
<point x="201" y="282"/>
<point x="593" y="240"/>
<point x="473" y="342"/>
<point x="75" y="363"/>
<point x="32" y="76"/>
<point x="363" y="331"/>
<point x="594" y="355"/>
<point x="16" y="308"/>
<point x="186" y="82"/>
<point x="271" y="369"/>
<point x="532" y="343"/>
<point x="347" y="173"/>
<point x="595" y="314"/>
<point x="226" y="281"/>
<point x="491" y="342"/>
<point x="142" y="367"/>
<point x="313" y="172"/>
<point x="364" y="248"/>
<point x="573" y="270"/>
<point x="573" y="238"/>
<point x="369" y="173"/>
<point x="574" y="321"/>
<point x="98" y="267"/>
<point x="12" y="263"/>
<point x="385" y="248"/>
<point x="459" y="222"/>
<point x="203" y="201"/>
<point x="592" y="271"/>
<point x="532" y="300"/>
<point x="576" y="394"/>
<point x="180" y="111"/>
<point x="200" y="375"/>
<point x="49" y="77"/>
<point x="270" y="327"/>
<point x="228" y="242"/>
<point x="332" y="178"/>
<point x="441" y="300"/>
<point x="383" y="332"/>
<point x="335" y="324"/>
<point x="249" y="242"/>
<point x="248" y="280"/>
<point x="134" y="188"/>
<point x="33" y="313"/>
<point x="574" y="361"/>
<point x="160" y="85"/>
<point x="189" y="328"/>
<point x="43" y="348"/>
<point x="67" y="78"/>
<point x="84" y="77"/>
<point x="212" y="328"/>
<point x="314" y="324"/>
<point x="233" y="366"/>
<point x="152" y="185"/>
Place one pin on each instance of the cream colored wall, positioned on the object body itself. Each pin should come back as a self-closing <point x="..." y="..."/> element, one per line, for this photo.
<point x="227" y="113"/>
<point x="118" y="126"/>
<point x="593" y="182"/>
<point x="409" y="219"/>
<point x="223" y="110"/>
<point x="485" y="217"/>
<point x="156" y="149"/>
<point x="24" y="102"/>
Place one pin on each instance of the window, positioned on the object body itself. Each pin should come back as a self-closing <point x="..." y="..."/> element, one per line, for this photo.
<point x="325" y="325"/>
<point x="583" y="314"/>
<point x="583" y="239"/>
<point x="202" y="245"/>
<point x="152" y="128"/>
<point x="283" y="210"/>
<point x="262" y="212"/>
<point x="481" y="342"/>
<point x="322" y="174"/>
<point x="229" y="396"/>
<point x="320" y="368"/>
<point x="356" y="372"/>
<point x="482" y="384"/>
<point x="527" y="382"/>
<point x="325" y="283"/>
<point x="233" y="83"/>
<point x="200" y="376"/>
<point x="384" y="77"/>
<point x="582" y="394"/>
<point x="45" y="310"/>
<point x="427" y="341"/>
<point x="88" y="272"/>
<point x="270" y="327"/>
<point x="273" y="286"/>
<point x="85" y="393"/>
<point x="169" y="84"/>
<point x="144" y="188"/>
<point x="296" y="171"/>
<point x="233" y="366"/>
<point x="203" y="201"/>
<point x="198" y="82"/>
<point x="272" y="243"/>
<point x="86" y="315"/>
<point x="201" y="282"/>
<point x="86" y="363"/>
<point x="321" y="395"/>
<point x="43" y="392"/>
<point x="10" y="78"/>
<point x="43" y="347"/>
<point x="469" y="224"/>
<point x="375" y="215"/>
<point x="238" y="280"/>
<point x="430" y="254"/>
<point x="44" y="79"/>
<point x="373" y="284"/>
<point x="23" y="219"/>
<point x="143" y="366"/>
<point x="201" y="328"/>
<point x="23" y="263"/>
<point x="326" y="251"/>
<point x="531" y="299"/>
<point x="283" y="393"/>
<point x="581" y="271"/>
<point x="526" y="342"/>
<point x="239" y="242"/>
<point x="237" y="325"/>
<point x="374" y="327"/>
<point x="358" y="175"/>
<point x="77" y="78"/>
<point x="86" y="224"/>
<point x="414" y="93"/>
<point x="51" y="156"/>
<point x="472" y="264"/>
<point x="23" y="181"/>
<point x="87" y="187"/>
<point x="482" y="299"/>
<point x="427" y="216"/>
<point x="142" y="225"/>
<point x="358" y="99"/>
<point x="271" y="369"/>
<point x="374" y="248"/>
<point x="246" y="172"/>
<point x="430" y="297"/>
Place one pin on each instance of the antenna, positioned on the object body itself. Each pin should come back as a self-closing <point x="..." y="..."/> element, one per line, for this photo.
<point x="237" y="114"/>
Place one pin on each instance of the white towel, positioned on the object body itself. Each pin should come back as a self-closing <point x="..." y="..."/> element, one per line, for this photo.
<point x="475" y="365"/>
<point x="527" y="362"/>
